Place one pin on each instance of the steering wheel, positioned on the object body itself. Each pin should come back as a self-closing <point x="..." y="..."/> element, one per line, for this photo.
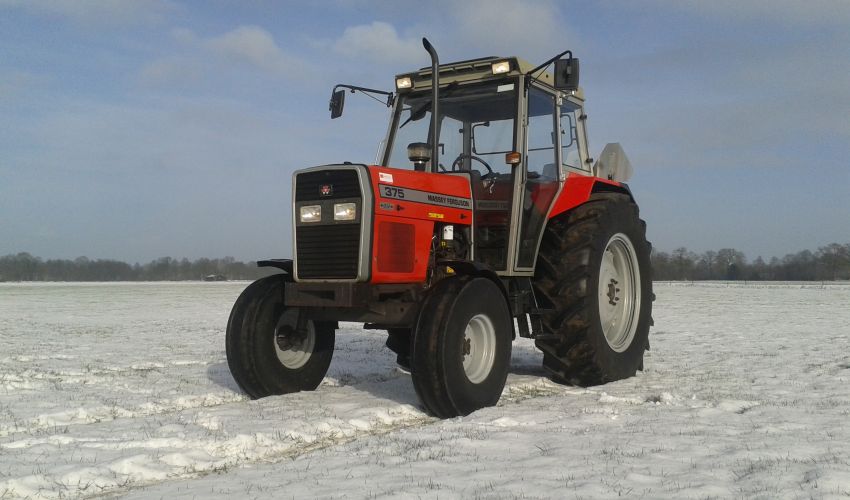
<point x="460" y="157"/>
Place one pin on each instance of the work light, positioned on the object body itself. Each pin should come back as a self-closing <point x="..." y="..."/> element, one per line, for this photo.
<point x="501" y="67"/>
<point x="404" y="82"/>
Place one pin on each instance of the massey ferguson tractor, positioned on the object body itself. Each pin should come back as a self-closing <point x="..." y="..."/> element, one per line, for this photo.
<point x="485" y="219"/>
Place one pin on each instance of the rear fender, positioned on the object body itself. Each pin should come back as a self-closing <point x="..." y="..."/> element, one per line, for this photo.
<point x="578" y="189"/>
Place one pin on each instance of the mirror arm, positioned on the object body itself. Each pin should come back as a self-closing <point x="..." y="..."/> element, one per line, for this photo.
<point x="365" y="90"/>
<point x="550" y="61"/>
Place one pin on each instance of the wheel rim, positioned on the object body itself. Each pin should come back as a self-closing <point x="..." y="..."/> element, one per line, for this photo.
<point x="619" y="292"/>
<point x="479" y="348"/>
<point x="301" y="349"/>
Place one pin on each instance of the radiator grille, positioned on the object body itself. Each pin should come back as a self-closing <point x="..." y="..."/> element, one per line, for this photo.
<point x="328" y="249"/>
<point x="328" y="252"/>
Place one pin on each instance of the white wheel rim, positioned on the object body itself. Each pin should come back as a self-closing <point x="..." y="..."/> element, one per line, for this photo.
<point x="619" y="292"/>
<point x="298" y="355"/>
<point x="479" y="348"/>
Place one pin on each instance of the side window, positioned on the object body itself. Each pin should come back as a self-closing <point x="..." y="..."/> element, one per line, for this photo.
<point x="569" y="136"/>
<point x="451" y="142"/>
<point x="541" y="138"/>
<point x="490" y="141"/>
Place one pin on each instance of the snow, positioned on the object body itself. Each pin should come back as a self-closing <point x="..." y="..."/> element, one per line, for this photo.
<point x="123" y="390"/>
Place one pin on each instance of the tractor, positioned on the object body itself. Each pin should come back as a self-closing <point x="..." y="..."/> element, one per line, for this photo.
<point x="485" y="219"/>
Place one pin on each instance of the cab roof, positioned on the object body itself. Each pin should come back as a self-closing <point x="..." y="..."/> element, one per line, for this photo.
<point x="477" y="69"/>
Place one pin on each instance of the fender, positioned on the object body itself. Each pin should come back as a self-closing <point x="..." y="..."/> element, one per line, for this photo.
<point x="578" y="188"/>
<point x="478" y="269"/>
<point x="284" y="265"/>
<point x="471" y="268"/>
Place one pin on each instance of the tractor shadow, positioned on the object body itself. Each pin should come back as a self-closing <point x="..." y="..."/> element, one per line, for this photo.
<point x="375" y="372"/>
<point x="219" y="374"/>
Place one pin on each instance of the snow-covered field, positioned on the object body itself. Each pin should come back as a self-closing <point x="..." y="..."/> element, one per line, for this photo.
<point x="123" y="390"/>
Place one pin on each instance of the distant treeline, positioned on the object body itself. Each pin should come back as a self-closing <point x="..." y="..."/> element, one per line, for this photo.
<point x="828" y="263"/>
<point x="25" y="267"/>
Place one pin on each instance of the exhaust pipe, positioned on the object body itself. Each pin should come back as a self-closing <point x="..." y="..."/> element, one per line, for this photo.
<point x="435" y="89"/>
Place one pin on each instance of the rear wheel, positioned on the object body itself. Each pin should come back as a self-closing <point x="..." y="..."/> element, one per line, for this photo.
<point x="593" y="276"/>
<point x="461" y="347"/>
<point x="265" y="352"/>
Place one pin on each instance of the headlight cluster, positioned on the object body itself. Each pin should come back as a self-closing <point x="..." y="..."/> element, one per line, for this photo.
<point x="342" y="211"/>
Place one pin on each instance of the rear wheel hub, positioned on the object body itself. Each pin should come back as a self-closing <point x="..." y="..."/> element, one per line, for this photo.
<point x="619" y="292"/>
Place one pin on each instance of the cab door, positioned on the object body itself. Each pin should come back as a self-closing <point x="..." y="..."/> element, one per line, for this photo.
<point x="541" y="179"/>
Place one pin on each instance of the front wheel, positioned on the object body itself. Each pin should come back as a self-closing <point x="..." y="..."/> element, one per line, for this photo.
<point x="266" y="353"/>
<point x="461" y="347"/>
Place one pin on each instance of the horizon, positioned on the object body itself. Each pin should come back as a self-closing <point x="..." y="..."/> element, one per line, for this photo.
<point x="139" y="129"/>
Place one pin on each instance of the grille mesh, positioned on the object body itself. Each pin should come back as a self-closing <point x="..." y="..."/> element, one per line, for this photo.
<point x="328" y="251"/>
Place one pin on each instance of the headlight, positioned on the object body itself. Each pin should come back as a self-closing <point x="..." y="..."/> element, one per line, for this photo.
<point x="345" y="211"/>
<point x="311" y="213"/>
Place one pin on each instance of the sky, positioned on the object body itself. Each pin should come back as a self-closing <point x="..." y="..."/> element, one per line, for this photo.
<point x="137" y="129"/>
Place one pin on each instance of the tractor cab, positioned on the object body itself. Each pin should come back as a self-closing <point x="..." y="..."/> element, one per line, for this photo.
<point x="505" y="127"/>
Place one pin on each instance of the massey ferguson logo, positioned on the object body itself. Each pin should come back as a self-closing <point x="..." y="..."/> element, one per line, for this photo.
<point x="326" y="189"/>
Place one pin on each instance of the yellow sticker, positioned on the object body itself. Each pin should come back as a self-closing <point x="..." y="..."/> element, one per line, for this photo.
<point x="435" y="215"/>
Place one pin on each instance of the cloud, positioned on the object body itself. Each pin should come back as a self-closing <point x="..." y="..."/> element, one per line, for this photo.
<point x="255" y="46"/>
<point x="378" y="42"/>
<point x="529" y="29"/>
<point x="172" y="70"/>
<point x="195" y="57"/>
<point x="96" y="12"/>
<point x="532" y="29"/>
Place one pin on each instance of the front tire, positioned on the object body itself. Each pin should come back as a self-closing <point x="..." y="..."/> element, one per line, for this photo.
<point x="265" y="354"/>
<point x="593" y="276"/>
<point x="461" y="347"/>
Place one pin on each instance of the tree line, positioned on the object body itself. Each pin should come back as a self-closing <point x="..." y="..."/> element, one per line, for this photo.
<point x="827" y="263"/>
<point x="25" y="267"/>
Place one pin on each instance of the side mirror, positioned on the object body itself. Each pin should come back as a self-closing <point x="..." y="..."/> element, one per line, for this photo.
<point x="566" y="74"/>
<point x="337" y="103"/>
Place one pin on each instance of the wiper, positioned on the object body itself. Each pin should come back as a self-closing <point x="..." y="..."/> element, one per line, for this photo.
<point x="419" y="111"/>
<point x="416" y="114"/>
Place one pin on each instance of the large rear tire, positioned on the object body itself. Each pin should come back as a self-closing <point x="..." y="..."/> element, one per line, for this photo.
<point x="593" y="277"/>
<point x="265" y="354"/>
<point x="461" y="347"/>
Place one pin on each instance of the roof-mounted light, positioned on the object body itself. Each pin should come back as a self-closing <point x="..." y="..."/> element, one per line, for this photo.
<point x="403" y="83"/>
<point x="501" y="67"/>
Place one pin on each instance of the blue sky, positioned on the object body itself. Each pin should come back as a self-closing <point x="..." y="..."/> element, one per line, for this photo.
<point x="135" y="129"/>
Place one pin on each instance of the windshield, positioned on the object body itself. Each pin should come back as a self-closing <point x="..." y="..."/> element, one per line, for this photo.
<point x="476" y="127"/>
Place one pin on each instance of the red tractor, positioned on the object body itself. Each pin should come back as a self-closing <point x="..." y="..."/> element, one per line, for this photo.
<point x="486" y="219"/>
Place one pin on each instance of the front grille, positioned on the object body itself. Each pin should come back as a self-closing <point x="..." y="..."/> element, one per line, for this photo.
<point x="328" y="249"/>
<point x="328" y="252"/>
<point x="343" y="184"/>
